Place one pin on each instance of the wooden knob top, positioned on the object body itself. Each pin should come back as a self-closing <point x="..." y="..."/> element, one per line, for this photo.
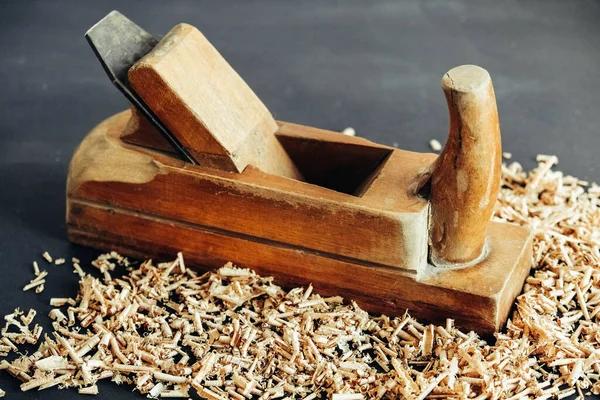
<point x="466" y="79"/>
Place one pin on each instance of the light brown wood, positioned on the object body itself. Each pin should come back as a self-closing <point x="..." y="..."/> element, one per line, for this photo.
<point x="370" y="247"/>
<point x="466" y="177"/>
<point x="449" y="293"/>
<point x="268" y="207"/>
<point x="207" y="106"/>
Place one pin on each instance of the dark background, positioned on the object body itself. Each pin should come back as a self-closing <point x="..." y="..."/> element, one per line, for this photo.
<point x="375" y="66"/>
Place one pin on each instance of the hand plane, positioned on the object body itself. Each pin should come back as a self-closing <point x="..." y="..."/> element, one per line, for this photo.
<point x="199" y="165"/>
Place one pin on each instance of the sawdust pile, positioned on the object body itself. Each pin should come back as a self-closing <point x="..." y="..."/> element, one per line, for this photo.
<point x="231" y="334"/>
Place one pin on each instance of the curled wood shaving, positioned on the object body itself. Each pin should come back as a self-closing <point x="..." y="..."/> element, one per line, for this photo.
<point x="231" y="334"/>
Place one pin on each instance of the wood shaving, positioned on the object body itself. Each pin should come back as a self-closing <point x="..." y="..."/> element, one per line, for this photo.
<point x="38" y="281"/>
<point x="93" y="390"/>
<point x="77" y="269"/>
<point x="47" y="257"/>
<point x="231" y="334"/>
<point x="34" y="283"/>
<point x="349" y="131"/>
<point x="17" y="331"/>
<point x="36" y="268"/>
<point x="435" y="145"/>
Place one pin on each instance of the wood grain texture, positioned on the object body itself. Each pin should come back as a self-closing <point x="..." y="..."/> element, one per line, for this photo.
<point x="483" y="306"/>
<point x="209" y="108"/>
<point x="265" y="206"/>
<point x="370" y="248"/>
<point x="466" y="176"/>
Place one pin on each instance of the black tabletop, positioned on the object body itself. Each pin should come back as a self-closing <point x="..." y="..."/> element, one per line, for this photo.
<point x="375" y="66"/>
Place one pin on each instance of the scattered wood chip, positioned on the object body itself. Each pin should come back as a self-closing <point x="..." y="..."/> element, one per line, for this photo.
<point x="47" y="257"/>
<point x="36" y="268"/>
<point x="52" y="363"/>
<point x="33" y="284"/>
<point x="349" y="131"/>
<point x="93" y="390"/>
<point x="77" y="270"/>
<point x="435" y="145"/>
<point x="232" y="334"/>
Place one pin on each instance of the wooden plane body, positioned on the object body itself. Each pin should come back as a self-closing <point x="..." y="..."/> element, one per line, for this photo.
<point x="353" y="227"/>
